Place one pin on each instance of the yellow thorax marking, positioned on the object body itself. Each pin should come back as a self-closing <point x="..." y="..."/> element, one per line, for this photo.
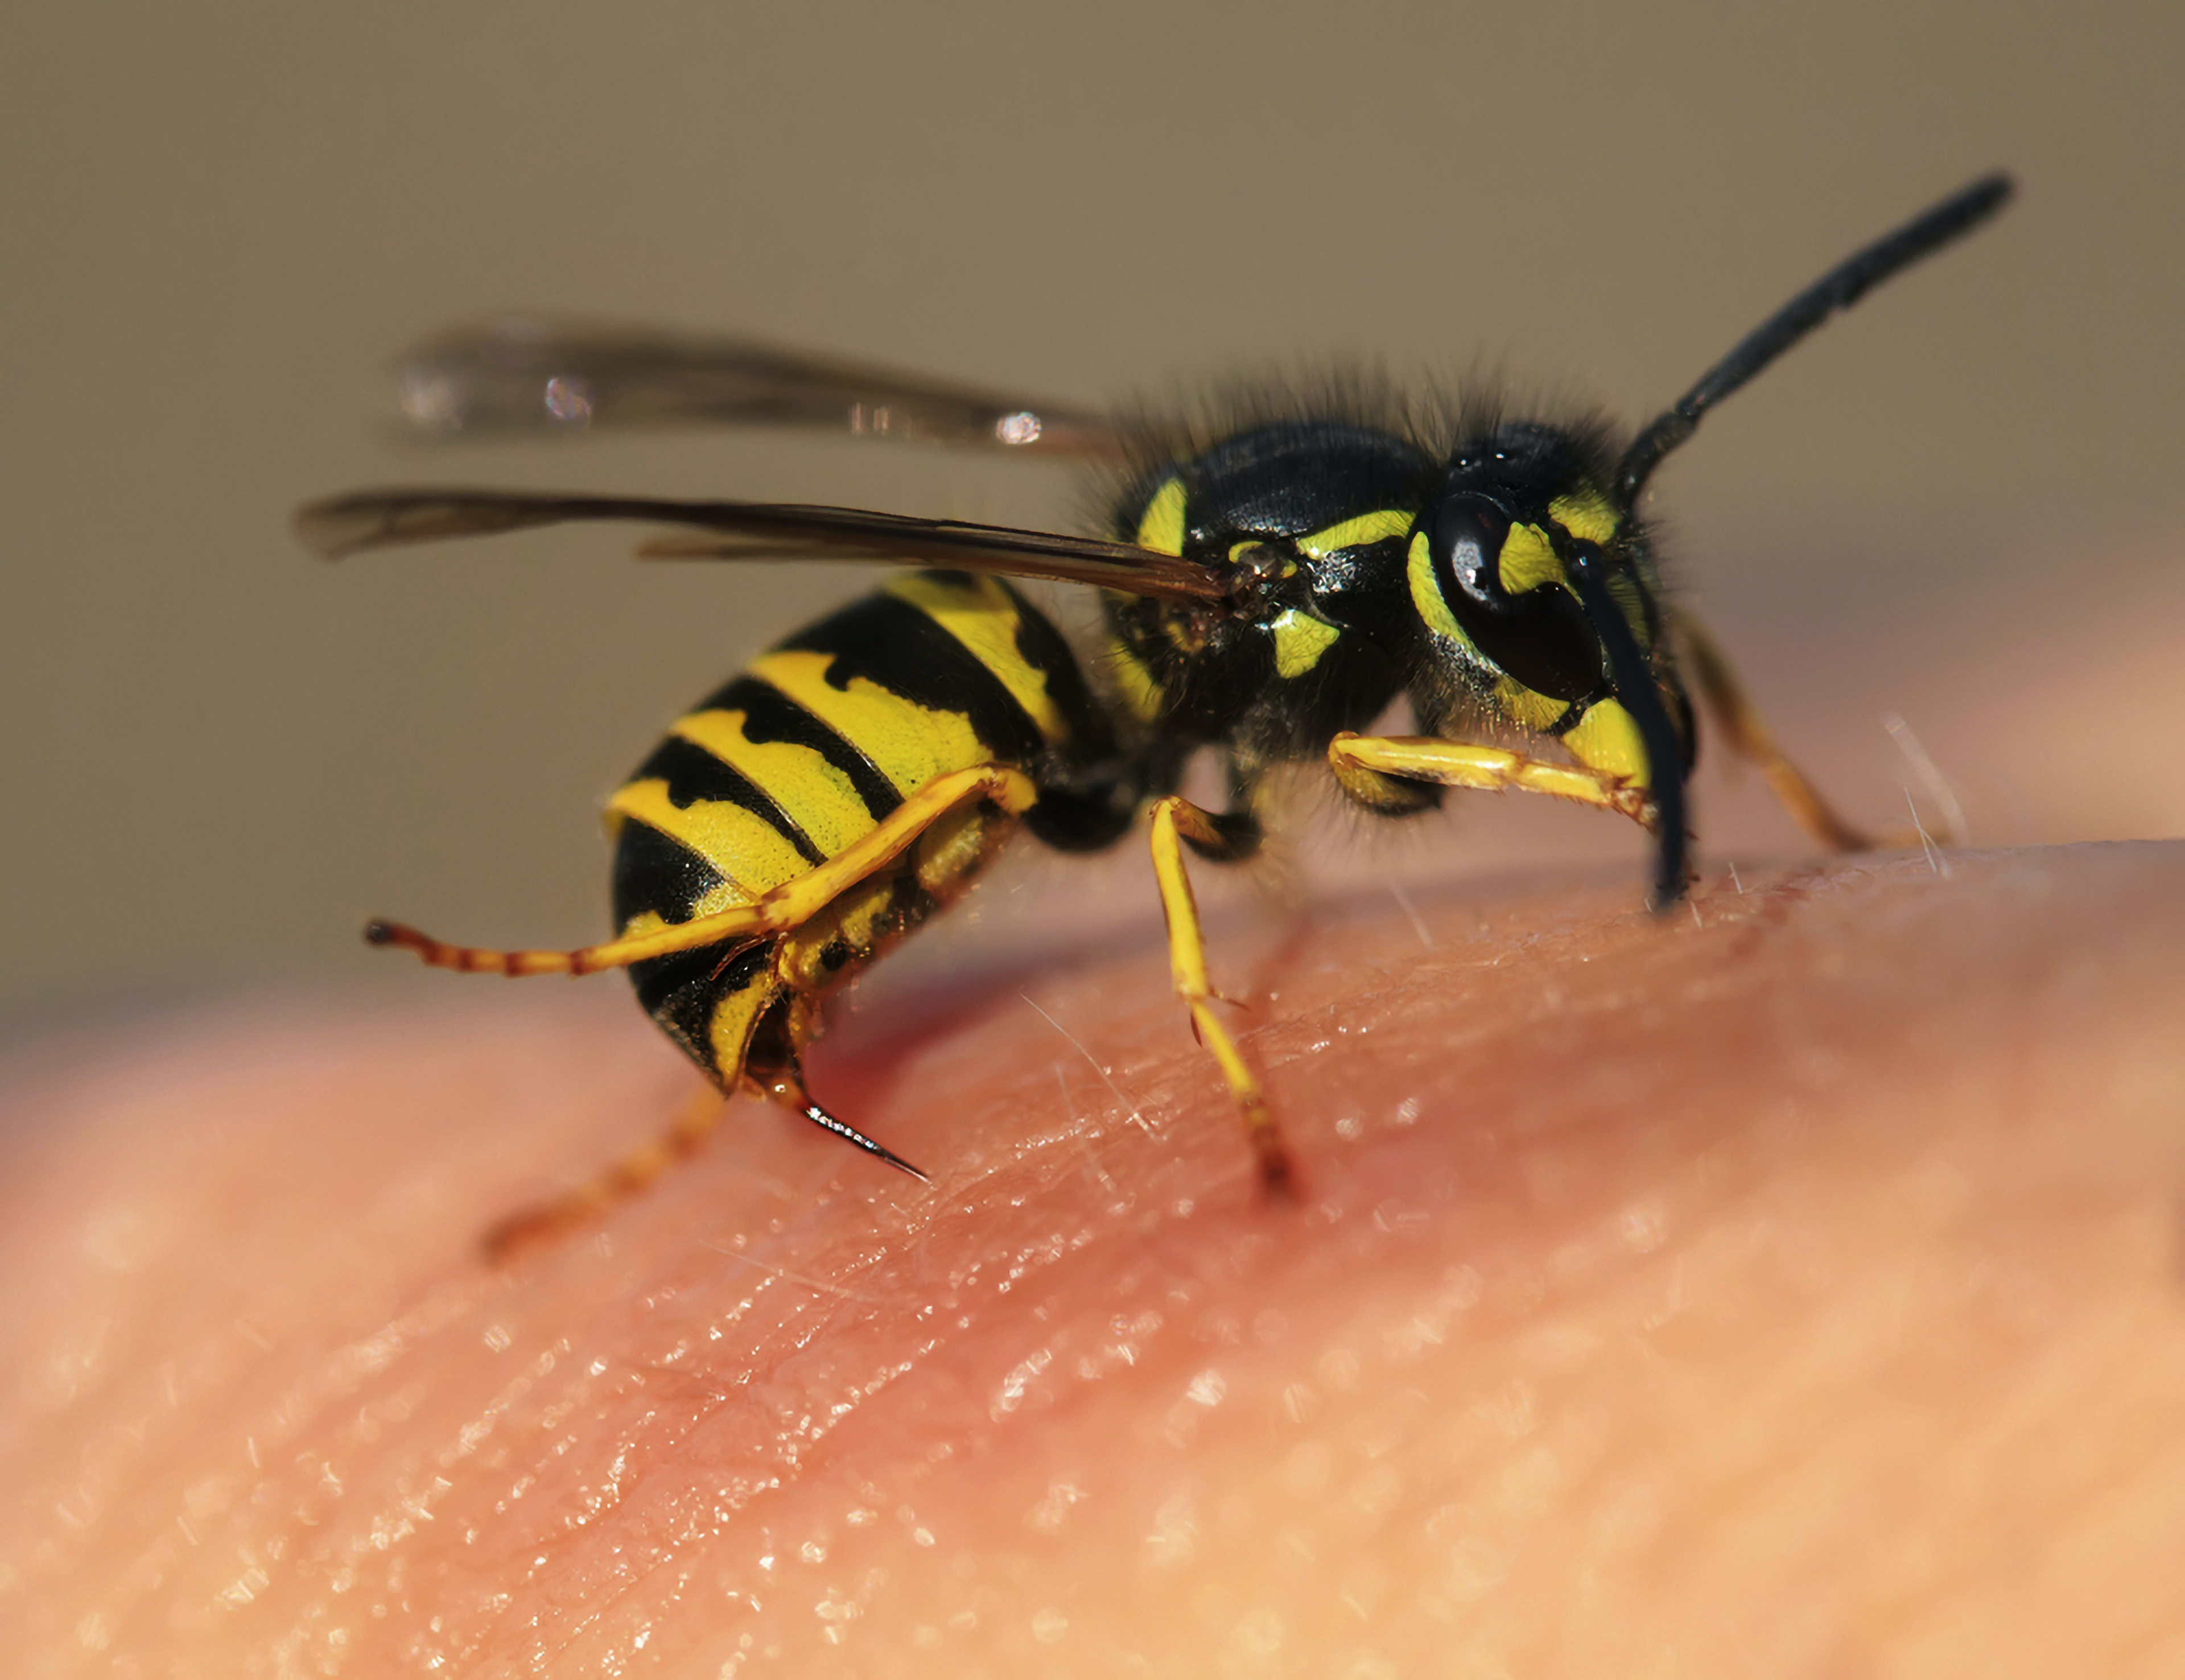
<point x="1300" y="641"/>
<point x="1376" y="527"/>
<point x="979" y="614"/>
<point x="1254" y="545"/>
<point x="1160" y="527"/>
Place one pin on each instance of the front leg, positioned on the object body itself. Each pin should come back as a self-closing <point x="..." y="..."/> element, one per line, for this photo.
<point x="1382" y="773"/>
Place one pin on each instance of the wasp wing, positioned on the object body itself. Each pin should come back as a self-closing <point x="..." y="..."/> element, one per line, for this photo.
<point x="378" y="519"/>
<point x="521" y="375"/>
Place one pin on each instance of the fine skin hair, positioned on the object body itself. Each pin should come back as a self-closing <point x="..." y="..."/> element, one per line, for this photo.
<point x="1789" y="1287"/>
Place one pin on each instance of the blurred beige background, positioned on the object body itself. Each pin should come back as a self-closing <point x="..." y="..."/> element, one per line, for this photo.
<point x="1962" y="503"/>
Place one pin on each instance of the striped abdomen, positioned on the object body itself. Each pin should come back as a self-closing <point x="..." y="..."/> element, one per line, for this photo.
<point x="800" y="756"/>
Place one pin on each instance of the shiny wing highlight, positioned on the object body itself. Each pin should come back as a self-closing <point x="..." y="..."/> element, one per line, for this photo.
<point x="525" y="376"/>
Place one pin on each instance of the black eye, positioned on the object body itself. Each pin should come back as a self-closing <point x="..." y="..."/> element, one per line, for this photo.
<point x="1467" y="537"/>
<point x="1540" y="637"/>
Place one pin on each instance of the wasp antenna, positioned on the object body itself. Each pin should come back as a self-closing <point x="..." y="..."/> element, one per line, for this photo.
<point x="1841" y="287"/>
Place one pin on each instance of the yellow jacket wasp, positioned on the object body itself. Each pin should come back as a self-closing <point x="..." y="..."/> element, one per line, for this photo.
<point x="1269" y="589"/>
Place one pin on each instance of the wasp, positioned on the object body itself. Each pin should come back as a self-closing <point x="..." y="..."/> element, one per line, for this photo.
<point x="1270" y="586"/>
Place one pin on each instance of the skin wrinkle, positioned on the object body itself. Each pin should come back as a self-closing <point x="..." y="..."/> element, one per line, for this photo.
<point x="1799" y="1290"/>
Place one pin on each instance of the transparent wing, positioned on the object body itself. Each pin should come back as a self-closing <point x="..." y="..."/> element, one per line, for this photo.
<point x="378" y="519"/>
<point x="530" y="376"/>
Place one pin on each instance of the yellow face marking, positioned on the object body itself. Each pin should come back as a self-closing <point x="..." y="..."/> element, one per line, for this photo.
<point x="1528" y="560"/>
<point x="908" y="743"/>
<point x="1426" y="593"/>
<point x="1586" y="514"/>
<point x="1160" y="527"/>
<point x="738" y="842"/>
<point x="979" y="614"/>
<point x="1300" y="641"/>
<point x="1606" y="739"/>
<point x="1367" y="527"/>
<point x="812" y="792"/>
<point x="1528" y="708"/>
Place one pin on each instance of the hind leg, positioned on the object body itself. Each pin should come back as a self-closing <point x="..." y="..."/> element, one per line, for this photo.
<point x="694" y="1122"/>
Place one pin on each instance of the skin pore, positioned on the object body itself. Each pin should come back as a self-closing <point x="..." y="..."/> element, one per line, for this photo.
<point x="1790" y="1286"/>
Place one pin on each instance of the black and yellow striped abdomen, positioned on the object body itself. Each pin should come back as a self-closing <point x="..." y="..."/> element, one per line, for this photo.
<point x="804" y="754"/>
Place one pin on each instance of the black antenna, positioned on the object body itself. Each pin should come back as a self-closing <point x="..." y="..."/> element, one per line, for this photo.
<point x="1841" y="287"/>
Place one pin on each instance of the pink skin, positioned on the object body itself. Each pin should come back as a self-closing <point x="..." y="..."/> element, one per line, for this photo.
<point x="1788" y="1287"/>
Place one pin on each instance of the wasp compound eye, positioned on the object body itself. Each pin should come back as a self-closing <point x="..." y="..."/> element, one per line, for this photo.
<point x="1468" y="536"/>
<point x="1537" y="632"/>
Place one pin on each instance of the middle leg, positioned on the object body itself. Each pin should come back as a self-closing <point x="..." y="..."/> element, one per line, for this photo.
<point x="1219" y="837"/>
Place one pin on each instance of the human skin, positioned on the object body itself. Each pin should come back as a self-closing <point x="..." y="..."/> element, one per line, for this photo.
<point x="1791" y="1285"/>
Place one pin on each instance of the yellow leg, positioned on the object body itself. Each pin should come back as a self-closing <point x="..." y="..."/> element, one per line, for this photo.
<point x="787" y="906"/>
<point x="693" y="1124"/>
<point x="1177" y="820"/>
<point x="1751" y="736"/>
<point x="1372" y="769"/>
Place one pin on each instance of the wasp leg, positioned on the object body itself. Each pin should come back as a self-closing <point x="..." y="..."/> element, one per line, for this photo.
<point x="1749" y="734"/>
<point x="694" y="1122"/>
<point x="777" y="910"/>
<point x="1372" y="769"/>
<point x="1177" y="822"/>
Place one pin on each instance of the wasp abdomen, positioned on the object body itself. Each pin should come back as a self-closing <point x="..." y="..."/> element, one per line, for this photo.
<point x="806" y="752"/>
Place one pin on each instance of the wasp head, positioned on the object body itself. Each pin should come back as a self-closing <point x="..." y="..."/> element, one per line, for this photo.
<point x="1537" y="591"/>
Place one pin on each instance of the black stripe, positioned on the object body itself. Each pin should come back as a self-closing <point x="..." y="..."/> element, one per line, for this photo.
<point x="653" y="873"/>
<point x="891" y="642"/>
<point x="693" y="775"/>
<point x="681" y="992"/>
<point x="1044" y="650"/>
<point x="771" y="716"/>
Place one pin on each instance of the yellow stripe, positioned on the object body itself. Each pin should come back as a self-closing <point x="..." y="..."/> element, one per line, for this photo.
<point x="979" y="614"/>
<point x="1160" y="527"/>
<point x="812" y="792"/>
<point x="737" y="841"/>
<point x="735" y="1013"/>
<point x="1141" y="695"/>
<point x="1367" y="527"/>
<point x="909" y="744"/>
<point x="1300" y="641"/>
